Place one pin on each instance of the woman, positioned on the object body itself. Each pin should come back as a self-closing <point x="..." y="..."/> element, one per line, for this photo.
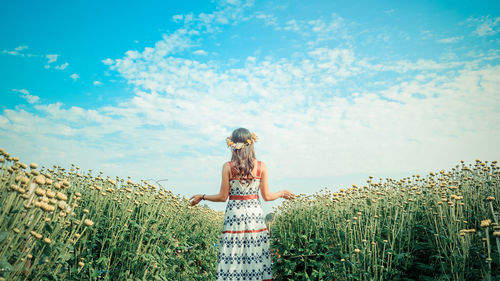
<point x="244" y="244"/>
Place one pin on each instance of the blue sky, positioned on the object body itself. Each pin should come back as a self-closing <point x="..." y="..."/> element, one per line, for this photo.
<point x="336" y="90"/>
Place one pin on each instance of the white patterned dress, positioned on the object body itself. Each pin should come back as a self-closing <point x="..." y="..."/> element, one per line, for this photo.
<point x="244" y="253"/>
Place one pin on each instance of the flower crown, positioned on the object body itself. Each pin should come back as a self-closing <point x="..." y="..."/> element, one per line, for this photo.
<point x="239" y="145"/>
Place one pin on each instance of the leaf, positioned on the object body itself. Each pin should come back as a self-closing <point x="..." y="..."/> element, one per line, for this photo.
<point x="5" y="266"/>
<point x="401" y="256"/>
<point x="342" y="235"/>
<point x="64" y="257"/>
<point x="445" y="238"/>
<point x="96" y="273"/>
<point x="3" y="235"/>
<point x="102" y="261"/>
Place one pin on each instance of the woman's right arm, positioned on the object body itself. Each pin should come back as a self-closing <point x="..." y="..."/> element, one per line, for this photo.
<point x="267" y="195"/>
<point x="224" y="189"/>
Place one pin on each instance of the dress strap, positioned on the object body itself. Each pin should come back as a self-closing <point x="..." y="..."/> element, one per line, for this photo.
<point x="259" y="170"/>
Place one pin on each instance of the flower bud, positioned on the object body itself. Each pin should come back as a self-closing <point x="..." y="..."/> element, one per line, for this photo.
<point x="88" y="222"/>
<point x="485" y="223"/>
<point x="40" y="179"/>
<point x="62" y="196"/>
<point x="50" y="193"/>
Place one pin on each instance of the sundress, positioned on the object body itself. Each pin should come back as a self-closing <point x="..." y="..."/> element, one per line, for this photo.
<point x="244" y="253"/>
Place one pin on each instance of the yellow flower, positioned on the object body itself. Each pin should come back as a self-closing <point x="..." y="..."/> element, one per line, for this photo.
<point x="50" y="193"/>
<point x="37" y="235"/>
<point x="89" y="222"/>
<point x="485" y="223"/>
<point x="40" y="179"/>
<point x="61" y="196"/>
<point x="254" y="137"/>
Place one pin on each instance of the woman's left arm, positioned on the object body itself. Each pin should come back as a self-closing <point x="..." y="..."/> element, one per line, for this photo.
<point x="223" y="193"/>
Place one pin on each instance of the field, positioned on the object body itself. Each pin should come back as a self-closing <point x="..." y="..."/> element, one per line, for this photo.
<point x="67" y="225"/>
<point x="59" y="224"/>
<point x="443" y="226"/>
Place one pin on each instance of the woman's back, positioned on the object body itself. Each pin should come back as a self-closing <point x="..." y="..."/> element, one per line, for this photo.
<point x="245" y="186"/>
<point x="244" y="252"/>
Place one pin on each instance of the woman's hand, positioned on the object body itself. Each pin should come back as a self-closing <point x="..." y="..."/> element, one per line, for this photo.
<point x="195" y="199"/>
<point x="287" y="194"/>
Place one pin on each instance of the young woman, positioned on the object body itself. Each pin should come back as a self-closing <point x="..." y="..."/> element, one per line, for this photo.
<point x="244" y="244"/>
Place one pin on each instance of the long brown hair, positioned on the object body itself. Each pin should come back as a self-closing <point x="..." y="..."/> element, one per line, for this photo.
<point x="243" y="158"/>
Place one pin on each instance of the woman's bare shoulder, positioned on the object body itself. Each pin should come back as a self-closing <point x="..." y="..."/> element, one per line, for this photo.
<point x="263" y="165"/>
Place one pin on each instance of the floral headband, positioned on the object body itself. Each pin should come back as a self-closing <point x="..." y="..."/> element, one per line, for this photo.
<point x="239" y="145"/>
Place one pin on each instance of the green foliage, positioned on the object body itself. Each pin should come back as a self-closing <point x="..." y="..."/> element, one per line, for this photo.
<point x="102" y="229"/>
<point x="409" y="229"/>
<point x="62" y="225"/>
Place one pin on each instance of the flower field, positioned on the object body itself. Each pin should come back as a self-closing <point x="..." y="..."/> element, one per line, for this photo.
<point x="443" y="226"/>
<point x="58" y="224"/>
<point x="67" y="225"/>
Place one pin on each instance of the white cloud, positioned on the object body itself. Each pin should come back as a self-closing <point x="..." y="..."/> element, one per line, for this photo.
<point x="319" y="30"/>
<point x="286" y="102"/>
<point x="17" y="51"/>
<point x="62" y="66"/>
<point x="108" y="61"/>
<point x="52" y="58"/>
<point x="200" y="53"/>
<point x="177" y="18"/>
<point x="326" y="113"/>
<point x="486" y="26"/>
<point x="426" y="34"/>
<point x="97" y="83"/>
<point x="27" y="96"/>
<point x="22" y="91"/>
<point x="74" y="76"/>
<point x="20" y="48"/>
<point x="268" y="19"/>
<point x="453" y="39"/>
<point x="291" y="25"/>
